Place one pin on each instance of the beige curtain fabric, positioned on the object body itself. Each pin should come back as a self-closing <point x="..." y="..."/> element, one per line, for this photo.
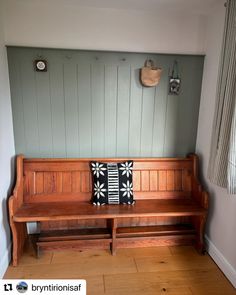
<point x="223" y="158"/>
<point x="232" y="159"/>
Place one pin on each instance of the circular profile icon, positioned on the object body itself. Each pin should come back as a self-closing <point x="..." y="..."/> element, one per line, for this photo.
<point x="22" y="287"/>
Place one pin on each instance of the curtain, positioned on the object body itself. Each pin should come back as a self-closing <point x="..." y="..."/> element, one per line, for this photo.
<point x="222" y="164"/>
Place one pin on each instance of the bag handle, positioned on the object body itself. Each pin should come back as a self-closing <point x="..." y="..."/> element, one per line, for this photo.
<point x="175" y="70"/>
<point x="149" y="63"/>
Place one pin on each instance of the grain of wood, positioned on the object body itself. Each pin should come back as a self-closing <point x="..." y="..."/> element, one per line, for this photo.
<point x="177" y="262"/>
<point x="107" y="275"/>
<point x="183" y="250"/>
<point x="145" y="252"/>
<point x="75" y="256"/>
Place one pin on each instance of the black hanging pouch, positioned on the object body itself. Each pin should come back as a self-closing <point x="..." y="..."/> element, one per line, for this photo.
<point x="174" y="80"/>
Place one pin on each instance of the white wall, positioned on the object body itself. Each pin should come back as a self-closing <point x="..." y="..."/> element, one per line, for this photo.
<point x="67" y="25"/>
<point x="6" y="153"/>
<point x="221" y="227"/>
<point x="40" y="23"/>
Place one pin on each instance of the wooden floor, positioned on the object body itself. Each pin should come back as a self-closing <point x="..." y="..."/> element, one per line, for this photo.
<point x="140" y="271"/>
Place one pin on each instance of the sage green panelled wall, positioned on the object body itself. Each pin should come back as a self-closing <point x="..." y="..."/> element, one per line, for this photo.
<point x="91" y="104"/>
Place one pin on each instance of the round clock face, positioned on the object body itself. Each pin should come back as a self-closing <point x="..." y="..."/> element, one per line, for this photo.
<point x="40" y="65"/>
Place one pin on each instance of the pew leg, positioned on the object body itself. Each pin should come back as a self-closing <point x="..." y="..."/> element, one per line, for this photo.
<point x="113" y="244"/>
<point x="19" y="237"/>
<point x="199" y="224"/>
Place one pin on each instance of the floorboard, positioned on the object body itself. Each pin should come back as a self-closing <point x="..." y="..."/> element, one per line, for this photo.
<point x="140" y="271"/>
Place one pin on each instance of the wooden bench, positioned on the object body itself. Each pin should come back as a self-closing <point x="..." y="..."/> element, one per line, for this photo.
<point x="171" y="207"/>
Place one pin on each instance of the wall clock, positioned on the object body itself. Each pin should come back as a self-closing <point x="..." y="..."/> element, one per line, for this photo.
<point x="40" y="65"/>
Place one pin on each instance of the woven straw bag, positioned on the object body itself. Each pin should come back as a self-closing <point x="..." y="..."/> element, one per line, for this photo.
<point x="149" y="74"/>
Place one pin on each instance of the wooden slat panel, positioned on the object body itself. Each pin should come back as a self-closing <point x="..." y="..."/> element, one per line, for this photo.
<point x="162" y="180"/>
<point x="145" y="180"/>
<point x="76" y="181"/>
<point x="29" y="183"/>
<point x="59" y="182"/>
<point x="178" y="180"/>
<point x="85" y="182"/>
<point x="71" y="179"/>
<point x="170" y="180"/>
<point x="39" y="183"/>
<point x="48" y="182"/>
<point x="186" y="180"/>
<point x="57" y="165"/>
<point x="54" y="182"/>
<point x="90" y="183"/>
<point x="137" y="181"/>
<point x="66" y="182"/>
<point x="153" y="181"/>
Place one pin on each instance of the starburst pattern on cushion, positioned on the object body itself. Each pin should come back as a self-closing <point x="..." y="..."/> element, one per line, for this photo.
<point x="127" y="168"/>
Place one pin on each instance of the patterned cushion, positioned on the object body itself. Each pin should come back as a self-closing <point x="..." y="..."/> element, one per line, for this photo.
<point x="112" y="183"/>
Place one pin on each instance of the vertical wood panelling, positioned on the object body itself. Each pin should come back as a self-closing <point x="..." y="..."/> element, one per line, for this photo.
<point x="145" y="182"/>
<point x="17" y="103"/>
<point x="44" y="114"/>
<point x="178" y="180"/>
<point x="186" y="179"/>
<point x="171" y="135"/>
<point x="188" y="104"/>
<point x="30" y="109"/>
<point x="137" y="181"/>
<point x="71" y="109"/>
<point x="39" y="183"/>
<point x="136" y="92"/>
<point x="91" y="104"/>
<point x="84" y="93"/>
<point x="66" y="182"/>
<point x="147" y="121"/>
<point x="162" y="180"/>
<point x="76" y="186"/>
<point x="160" y="108"/>
<point x="59" y="182"/>
<point x="85" y="182"/>
<point x="48" y="182"/>
<point x="110" y="110"/>
<point x="153" y="181"/>
<point x="123" y="106"/>
<point x="97" y="86"/>
<point x="170" y="180"/>
<point x="58" y="106"/>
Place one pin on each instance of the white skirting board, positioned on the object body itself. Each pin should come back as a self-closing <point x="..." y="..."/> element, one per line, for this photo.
<point x="221" y="261"/>
<point x="5" y="261"/>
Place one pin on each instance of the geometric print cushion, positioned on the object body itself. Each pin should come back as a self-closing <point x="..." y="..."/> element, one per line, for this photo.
<point x="112" y="183"/>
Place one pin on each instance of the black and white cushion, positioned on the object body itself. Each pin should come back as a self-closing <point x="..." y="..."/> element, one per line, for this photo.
<point x="112" y="183"/>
